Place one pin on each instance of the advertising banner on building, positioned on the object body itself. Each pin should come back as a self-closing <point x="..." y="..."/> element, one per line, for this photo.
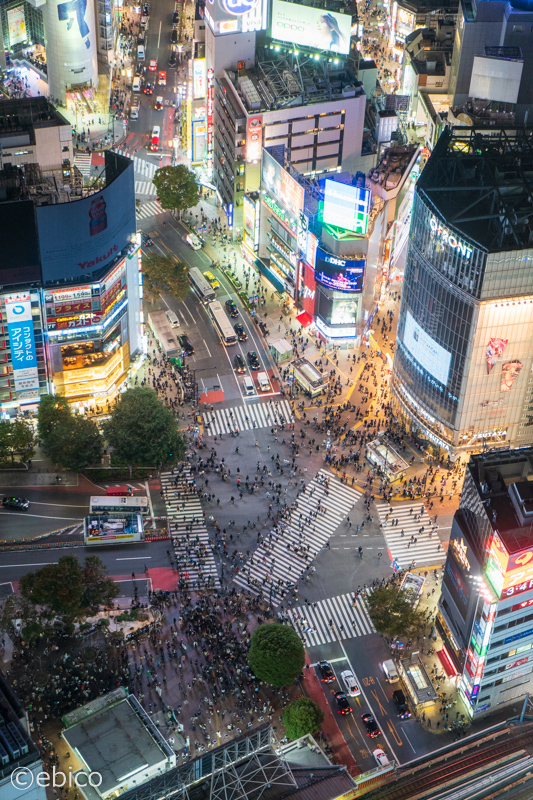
<point x="346" y="206"/>
<point x="210" y="109"/>
<point x="22" y="342"/>
<point x="312" y="244"/>
<point x="281" y="185"/>
<point x="80" y="238"/>
<point x="311" y="27"/>
<point x="16" y="23"/>
<point x="339" y="274"/>
<point x="424" y="349"/>
<point x="308" y="292"/>
<point x="495" y="350"/>
<point x="510" y="372"/>
<point x="236" y="16"/>
<point x="198" y="78"/>
<point x="254" y="138"/>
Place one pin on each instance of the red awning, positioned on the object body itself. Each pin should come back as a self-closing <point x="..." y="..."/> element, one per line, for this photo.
<point x="304" y="319"/>
<point x="447" y="664"/>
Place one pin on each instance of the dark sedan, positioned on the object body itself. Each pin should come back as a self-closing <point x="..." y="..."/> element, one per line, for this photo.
<point x="241" y="333"/>
<point x="371" y="726"/>
<point x="185" y="342"/>
<point x="253" y="360"/>
<point x="231" y="308"/>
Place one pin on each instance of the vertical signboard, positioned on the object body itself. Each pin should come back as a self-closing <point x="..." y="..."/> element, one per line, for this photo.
<point x="254" y="138"/>
<point x="22" y="342"/>
<point x="210" y="95"/>
<point x="198" y="78"/>
<point x="16" y="23"/>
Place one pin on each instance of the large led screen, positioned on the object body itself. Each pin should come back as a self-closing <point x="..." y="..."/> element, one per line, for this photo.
<point x="281" y="185"/>
<point x="429" y="354"/>
<point x="339" y="274"/>
<point x="78" y="239"/>
<point x="311" y="27"/>
<point x="346" y="206"/>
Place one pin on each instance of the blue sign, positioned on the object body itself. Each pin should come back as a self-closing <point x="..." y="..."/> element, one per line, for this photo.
<point x="22" y="342"/>
<point x="339" y="274"/>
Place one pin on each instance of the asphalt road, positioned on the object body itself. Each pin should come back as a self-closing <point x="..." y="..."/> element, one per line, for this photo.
<point x="50" y="509"/>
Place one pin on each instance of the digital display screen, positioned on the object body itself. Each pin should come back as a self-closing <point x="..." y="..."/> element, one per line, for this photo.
<point x="346" y="207"/>
<point x="429" y="354"/>
<point x="339" y="274"/>
<point x="280" y="184"/>
<point x="311" y="27"/>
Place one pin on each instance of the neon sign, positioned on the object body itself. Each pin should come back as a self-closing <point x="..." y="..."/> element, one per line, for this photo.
<point x="446" y="236"/>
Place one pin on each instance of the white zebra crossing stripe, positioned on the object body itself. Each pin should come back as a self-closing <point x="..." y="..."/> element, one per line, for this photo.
<point x="190" y="539"/>
<point x="286" y="556"/>
<point x="312" y="621"/>
<point x="145" y="188"/>
<point x="247" y="417"/>
<point x="410" y="518"/>
<point x="149" y="209"/>
<point x="83" y="163"/>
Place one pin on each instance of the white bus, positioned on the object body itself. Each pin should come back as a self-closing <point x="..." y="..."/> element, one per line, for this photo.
<point x="221" y="323"/>
<point x="113" y="505"/>
<point x="201" y="286"/>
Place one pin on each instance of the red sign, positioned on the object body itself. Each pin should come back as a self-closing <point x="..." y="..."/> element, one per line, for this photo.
<point x="82" y="321"/>
<point x="308" y="290"/>
<point x="210" y="95"/>
<point x="72" y="308"/>
<point x="523" y="604"/>
<point x="110" y="295"/>
<point x="254" y="138"/>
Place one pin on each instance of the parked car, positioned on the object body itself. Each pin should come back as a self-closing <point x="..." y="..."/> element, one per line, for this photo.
<point x="231" y="308"/>
<point x="173" y="60"/>
<point x="371" y="726"/>
<point x="175" y="17"/>
<point x="18" y="503"/>
<point x="253" y="360"/>
<point x="241" y="333"/>
<point x="326" y="672"/>
<point x="210" y="278"/>
<point x="402" y="709"/>
<point x="343" y="706"/>
<point x="238" y="363"/>
<point x="381" y="757"/>
<point x="173" y="36"/>
<point x="350" y="683"/>
<point x="185" y="342"/>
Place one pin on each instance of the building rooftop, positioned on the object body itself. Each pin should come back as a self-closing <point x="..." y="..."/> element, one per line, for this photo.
<point x="16" y="748"/>
<point x="504" y="481"/>
<point x="285" y="82"/>
<point x="118" y="742"/>
<point x="480" y="181"/>
<point x="28" y="113"/>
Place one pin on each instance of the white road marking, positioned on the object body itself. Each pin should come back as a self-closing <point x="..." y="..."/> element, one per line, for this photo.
<point x="39" y="516"/>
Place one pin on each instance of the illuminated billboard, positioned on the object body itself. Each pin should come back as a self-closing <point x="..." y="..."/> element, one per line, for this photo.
<point x="339" y="274"/>
<point x="495" y="350"/>
<point x="346" y="206"/>
<point x="311" y="27"/>
<point x="251" y="223"/>
<point x="424" y="349"/>
<point x="236" y="16"/>
<point x="79" y="239"/>
<point x="22" y="342"/>
<point x="16" y="23"/>
<point x="198" y="78"/>
<point x="281" y="185"/>
<point x="508" y="572"/>
<point x="254" y="138"/>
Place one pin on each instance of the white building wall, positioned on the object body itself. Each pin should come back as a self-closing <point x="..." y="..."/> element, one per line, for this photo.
<point x="71" y="45"/>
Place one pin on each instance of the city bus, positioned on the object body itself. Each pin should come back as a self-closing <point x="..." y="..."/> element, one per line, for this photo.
<point x="113" y="505"/>
<point x="201" y="286"/>
<point x="221" y="323"/>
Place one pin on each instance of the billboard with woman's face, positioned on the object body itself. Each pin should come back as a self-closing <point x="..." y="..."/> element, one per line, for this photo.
<point x="311" y="27"/>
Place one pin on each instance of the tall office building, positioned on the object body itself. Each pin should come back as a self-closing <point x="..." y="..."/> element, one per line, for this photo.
<point x="462" y="375"/>
<point x="485" y="613"/>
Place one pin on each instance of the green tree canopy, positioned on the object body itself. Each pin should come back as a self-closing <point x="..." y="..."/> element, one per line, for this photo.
<point x="276" y="654"/>
<point x="177" y="187"/>
<point x="301" y="717"/>
<point x="143" y="432"/>
<point x="53" y="409"/>
<point x="70" y="589"/>
<point x="393" y="612"/>
<point x="16" y="438"/>
<point x="166" y="274"/>
<point x="75" y="443"/>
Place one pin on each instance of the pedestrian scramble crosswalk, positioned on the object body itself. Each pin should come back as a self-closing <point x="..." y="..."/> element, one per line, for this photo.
<point x="83" y="162"/>
<point x="287" y="554"/>
<point x="145" y="188"/>
<point x="405" y="524"/>
<point x="312" y="621"/>
<point x="149" y="209"/>
<point x="140" y="165"/>
<point x="190" y="540"/>
<point x="246" y="417"/>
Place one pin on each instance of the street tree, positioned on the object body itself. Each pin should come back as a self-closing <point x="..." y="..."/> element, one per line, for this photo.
<point x="75" y="443"/>
<point x="166" y="274"/>
<point x="394" y="613"/>
<point x="69" y="589"/>
<point x="16" y="439"/>
<point x="301" y="717"/>
<point x="53" y="409"/>
<point x="276" y="654"/>
<point x="177" y="188"/>
<point x="142" y="431"/>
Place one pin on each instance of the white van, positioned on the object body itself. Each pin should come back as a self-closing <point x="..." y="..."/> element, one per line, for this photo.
<point x="249" y="387"/>
<point x="136" y="86"/>
<point x="264" y="383"/>
<point x="194" y="241"/>
<point x="140" y="52"/>
<point x="173" y="319"/>
<point x="391" y="673"/>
